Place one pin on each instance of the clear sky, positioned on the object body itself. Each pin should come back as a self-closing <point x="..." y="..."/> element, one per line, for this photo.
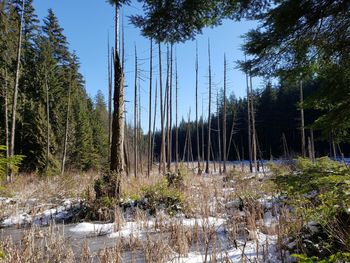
<point x="87" y="23"/>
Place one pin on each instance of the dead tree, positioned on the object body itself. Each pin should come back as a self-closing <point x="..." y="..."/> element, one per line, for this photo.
<point x="176" y="117"/>
<point x="117" y="145"/>
<point x="110" y="87"/>
<point x="197" y="128"/>
<point x="135" y="118"/>
<point x="249" y="126"/>
<point x="254" y="136"/>
<point x="209" y="113"/>
<point x="8" y="177"/>
<point x="154" y="122"/>
<point x="149" y="161"/>
<point x="218" y="131"/>
<point x="162" y="151"/>
<point x="224" y="117"/>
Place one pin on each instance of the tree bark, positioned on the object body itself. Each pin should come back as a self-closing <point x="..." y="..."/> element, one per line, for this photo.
<point x="219" y="131"/>
<point x="209" y="113"/>
<point x="197" y="126"/>
<point x="176" y="119"/>
<point x="149" y="162"/>
<point x="15" y="92"/>
<point x="8" y="177"/>
<point x="224" y="117"/>
<point x="249" y="127"/>
<point x="63" y="163"/>
<point x="117" y="147"/>
<point x="135" y="120"/>
<point x="162" y="153"/>
<point x="254" y="138"/>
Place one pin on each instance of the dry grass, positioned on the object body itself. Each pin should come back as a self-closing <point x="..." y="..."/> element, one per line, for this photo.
<point x="235" y="201"/>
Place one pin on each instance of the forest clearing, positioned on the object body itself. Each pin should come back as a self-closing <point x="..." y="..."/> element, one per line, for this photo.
<point x="175" y="131"/>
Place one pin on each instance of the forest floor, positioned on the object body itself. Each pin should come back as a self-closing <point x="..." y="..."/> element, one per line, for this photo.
<point x="224" y="218"/>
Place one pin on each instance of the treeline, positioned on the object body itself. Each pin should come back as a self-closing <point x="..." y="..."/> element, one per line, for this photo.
<point x="46" y="114"/>
<point x="278" y="122"/>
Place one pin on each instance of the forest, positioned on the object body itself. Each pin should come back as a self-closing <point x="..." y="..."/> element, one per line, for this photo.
<point x="259" y="178"/>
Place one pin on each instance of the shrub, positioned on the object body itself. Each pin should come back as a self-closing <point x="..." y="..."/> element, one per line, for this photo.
<point x="320" y="193"/>
<point x="161" y="196"/>
<point x="12" y="162"/>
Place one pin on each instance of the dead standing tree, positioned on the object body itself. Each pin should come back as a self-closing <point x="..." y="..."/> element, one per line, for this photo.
<point x="209" y="113"/>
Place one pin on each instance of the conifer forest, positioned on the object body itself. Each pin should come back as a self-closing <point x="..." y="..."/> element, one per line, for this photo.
<point x="211" y="131"/>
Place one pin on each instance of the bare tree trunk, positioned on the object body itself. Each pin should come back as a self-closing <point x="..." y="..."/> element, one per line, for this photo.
<point x="63" y="163"/>
<point x="219" y="131"/>
<point x="154" y="123"/>
<point x="249" y="127"/>
<point x="170" y="109"/>
<point x="117" y="146"/>
<point x="209" y="113"/>
<point x="224" y="120"/>
<point x="135" y="119"/>
<point x="252" y="111"/>
<point x="313" y="156"/>
<point x="15" y="92"/>
<point x="303" y="142"/>
<point x="203" y="132"/>
<point x="197" y="126"/>
<point x="110" y="65"/>
<point x="8" y="177"/>
<point x="149" y="162"/>
<point x="47" y="124"/>
<point x="176" y="120"/>
<point x="166" y="109"/>
<point x="162" y="152"/>
<point x="231" y="134"/>
<point x="141" y="144"/>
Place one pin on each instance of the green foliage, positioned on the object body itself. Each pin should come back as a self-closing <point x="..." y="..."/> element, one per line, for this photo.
<point x="175" y="180"/>
<point x="319" y="192"/>
<point x="335" y="258"/>
<point x="2" y="254"/>
<point x="161" y="196"/>
<point x="12" y="162"/>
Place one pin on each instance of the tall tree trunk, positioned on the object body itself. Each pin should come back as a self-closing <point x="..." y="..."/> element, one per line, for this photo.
<point x="249" y="126"/>
<point x="231" y="134"/>
<point x="313" y="157"/>
<point x="135" y="119"/>
<point x="162" y="152"/>
<point x="15" y="92"/>
<point x="117" y="147"/>
<point x="219" y="131"/>
<point x="149" y="162"/>
<point x="254" y="137"/>
<point x="224" y="120"/>
<point x="209" y="113"/>
<point x="110" y="87"/>
<point x="166" y="108"/>
<point x="203" y="158"/>
<point x="154" y="123"/>
<point x="197" y="126"/>
<point x="8" y="177"/>
<point x="303" y="142"/>
<point x="170" y="109"/>
<point x="140" y="140"/>
<point x="47" y="125"/>
<point x="176" y="118"/>
<point x="63" y="163"/>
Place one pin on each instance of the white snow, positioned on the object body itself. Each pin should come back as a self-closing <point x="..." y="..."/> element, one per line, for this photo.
<point x="93" y="228"/>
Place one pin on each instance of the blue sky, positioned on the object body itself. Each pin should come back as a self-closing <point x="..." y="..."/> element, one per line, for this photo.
<point x="87" y="23"/>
